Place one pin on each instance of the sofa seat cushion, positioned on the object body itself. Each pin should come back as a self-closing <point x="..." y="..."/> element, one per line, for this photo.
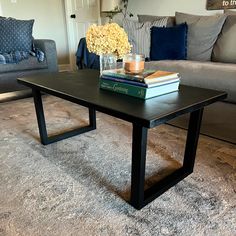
<point x="211" y="75"/>
<point x="27" y="64"/>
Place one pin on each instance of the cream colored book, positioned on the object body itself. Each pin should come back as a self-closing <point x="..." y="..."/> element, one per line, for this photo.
<point x="161" y="76"/>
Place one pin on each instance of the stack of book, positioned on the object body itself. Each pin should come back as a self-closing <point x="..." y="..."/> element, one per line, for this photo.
<point x="146" y="85"/>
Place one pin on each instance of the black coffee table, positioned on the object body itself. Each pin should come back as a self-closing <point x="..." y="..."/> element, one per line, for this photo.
<point x="82" y="88"/>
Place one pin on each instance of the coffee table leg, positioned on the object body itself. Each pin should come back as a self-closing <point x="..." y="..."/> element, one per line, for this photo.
<point x="40" y="116"/>
<point x="139" y="146"/>
<point x="139" y="197"/>
<point x="92" y="118"/>
<point x="192" y="139"/>
<point x="45" y="139"/>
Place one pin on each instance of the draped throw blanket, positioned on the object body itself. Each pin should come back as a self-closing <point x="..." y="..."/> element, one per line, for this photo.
<point x="85" y="59"/>
<point x="17" y="56"/>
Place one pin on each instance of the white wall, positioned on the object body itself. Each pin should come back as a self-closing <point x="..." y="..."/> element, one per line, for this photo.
<point x="169" y="7"/>
<point x="49" y="16"/>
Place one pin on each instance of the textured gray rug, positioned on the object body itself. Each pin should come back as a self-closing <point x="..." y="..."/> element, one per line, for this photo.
<point x="79" y="186"/>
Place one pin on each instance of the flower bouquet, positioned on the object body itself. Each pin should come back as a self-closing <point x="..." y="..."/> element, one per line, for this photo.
<point x="108" y="41"/>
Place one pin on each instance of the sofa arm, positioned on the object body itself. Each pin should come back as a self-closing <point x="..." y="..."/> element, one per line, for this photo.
<point x="49" y="48"/>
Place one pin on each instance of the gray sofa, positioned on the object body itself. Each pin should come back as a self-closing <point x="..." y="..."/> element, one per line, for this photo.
<point x="219" y="73"/>
<point x="212" y="75"/>
<point x="219" y="70"/>
<point x="10" y="72"/>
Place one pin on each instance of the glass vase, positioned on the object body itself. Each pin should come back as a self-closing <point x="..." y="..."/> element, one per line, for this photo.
<point x="107" y="62"/>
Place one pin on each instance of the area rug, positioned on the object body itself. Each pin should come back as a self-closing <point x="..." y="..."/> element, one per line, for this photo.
<point x="80" y="186"/>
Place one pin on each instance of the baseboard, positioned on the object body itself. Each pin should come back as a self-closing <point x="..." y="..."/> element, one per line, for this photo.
<point x="64" y="67"/>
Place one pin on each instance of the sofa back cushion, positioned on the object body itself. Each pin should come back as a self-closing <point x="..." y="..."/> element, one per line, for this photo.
<point x="150" y="18"/>
<point x="169" y="43"/>
<point x="203" y="32"/>
<point x="225" y="49"/>
<point x="139" y="34"/>
<point x="15" y="35"/>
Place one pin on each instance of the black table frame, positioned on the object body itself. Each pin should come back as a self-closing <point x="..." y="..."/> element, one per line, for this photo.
<point x="139" y="197"/>
<point x="45" y="139"/>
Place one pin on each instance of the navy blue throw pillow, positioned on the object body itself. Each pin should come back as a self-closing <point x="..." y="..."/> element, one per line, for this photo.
<point x="15" y="35"/>
<point x="169" y="43"/>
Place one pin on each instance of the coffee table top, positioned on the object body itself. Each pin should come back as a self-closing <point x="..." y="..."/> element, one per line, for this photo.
<point x="82" y="87"/>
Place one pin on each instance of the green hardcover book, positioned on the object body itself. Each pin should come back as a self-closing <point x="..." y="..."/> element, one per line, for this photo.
<point x="138" y="91"/>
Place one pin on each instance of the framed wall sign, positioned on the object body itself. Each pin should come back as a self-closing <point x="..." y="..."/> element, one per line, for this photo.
<point x="221" y="4"/>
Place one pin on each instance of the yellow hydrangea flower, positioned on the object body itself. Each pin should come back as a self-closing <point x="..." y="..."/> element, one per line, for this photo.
<point x="106" y="39"/>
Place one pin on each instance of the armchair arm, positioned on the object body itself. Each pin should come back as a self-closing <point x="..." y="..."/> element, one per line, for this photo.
<point x="49" y="48"/>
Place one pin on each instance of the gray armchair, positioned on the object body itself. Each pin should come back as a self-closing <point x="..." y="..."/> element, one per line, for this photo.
<point x="10" y="72"/>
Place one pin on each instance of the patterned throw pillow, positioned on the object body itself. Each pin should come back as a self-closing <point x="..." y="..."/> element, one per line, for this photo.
<point x="139" y="34"/>
<point x="145" y="18"/>
<point x="15" y="35"/>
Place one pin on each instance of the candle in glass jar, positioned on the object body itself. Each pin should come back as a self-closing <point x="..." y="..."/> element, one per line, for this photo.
<point x="134" y="66"/>
<point x="134" y="63"/>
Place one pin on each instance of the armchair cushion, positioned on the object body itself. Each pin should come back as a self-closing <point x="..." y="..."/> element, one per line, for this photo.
<point x="15" y="35"/>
